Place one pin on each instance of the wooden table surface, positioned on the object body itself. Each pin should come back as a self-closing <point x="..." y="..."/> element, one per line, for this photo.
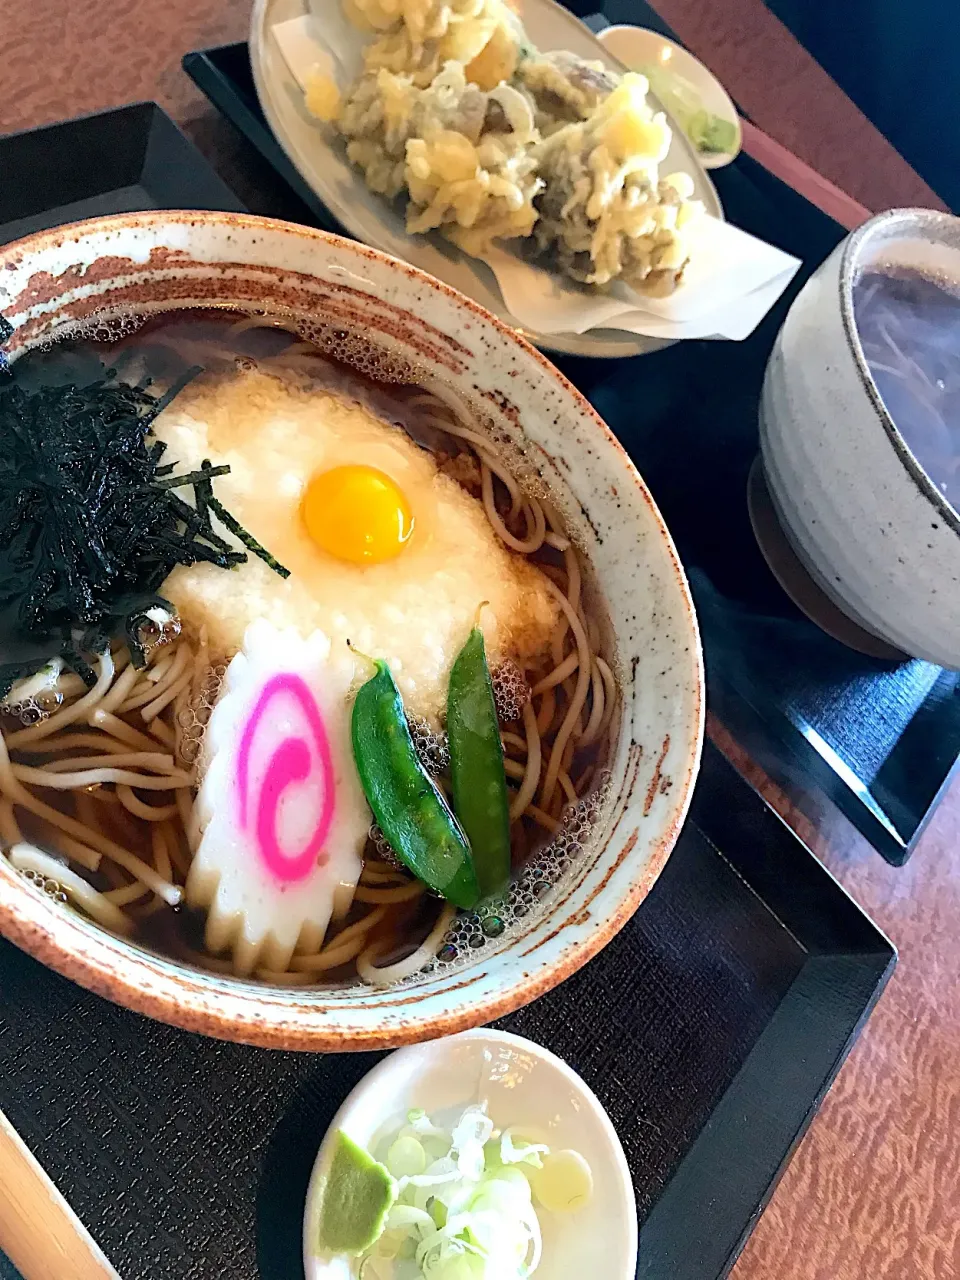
<point x="874" y="1190"/>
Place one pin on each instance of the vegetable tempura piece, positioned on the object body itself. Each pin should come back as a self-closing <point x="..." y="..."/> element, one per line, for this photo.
<point x="463" y="155"/>
<point x="499" y="58"/>
<point x="565" y="87"/>
<point x="605" y="214"/>
<point x="418" y="36"/>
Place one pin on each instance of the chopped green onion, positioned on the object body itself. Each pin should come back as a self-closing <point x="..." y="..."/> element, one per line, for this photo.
<point x="406" y="1157"/>
<point x="469" y="1213"/>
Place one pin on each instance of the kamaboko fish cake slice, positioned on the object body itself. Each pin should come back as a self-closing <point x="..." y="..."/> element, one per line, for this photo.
<point x="281" y="818"/>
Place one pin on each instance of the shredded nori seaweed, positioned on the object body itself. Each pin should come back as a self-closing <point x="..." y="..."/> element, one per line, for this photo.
<point x="90" y="520"/>
<point x="248" y="540"/>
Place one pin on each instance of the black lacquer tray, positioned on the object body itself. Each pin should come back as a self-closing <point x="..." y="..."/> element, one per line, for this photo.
<point x="877" y="739"/>
<point x="710" y="1028"/>
<point x="118" y="161"/>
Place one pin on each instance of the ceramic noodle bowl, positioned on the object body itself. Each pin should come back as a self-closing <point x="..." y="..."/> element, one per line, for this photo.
<point x="869" y="524"/>
<point x="143" y="263"/>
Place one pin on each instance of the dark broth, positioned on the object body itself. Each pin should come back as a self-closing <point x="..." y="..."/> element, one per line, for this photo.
<point x="157" y="352"/>
<point x="909" y="327"/>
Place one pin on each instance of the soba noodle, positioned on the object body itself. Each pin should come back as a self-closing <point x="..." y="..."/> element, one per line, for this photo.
<point x="105" y="777"/>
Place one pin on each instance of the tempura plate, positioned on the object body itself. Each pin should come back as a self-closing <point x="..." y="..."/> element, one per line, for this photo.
<point x="322" y="162"/>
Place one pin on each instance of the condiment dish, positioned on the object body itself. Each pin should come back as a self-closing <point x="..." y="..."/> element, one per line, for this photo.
<point x="523" y="1085"/>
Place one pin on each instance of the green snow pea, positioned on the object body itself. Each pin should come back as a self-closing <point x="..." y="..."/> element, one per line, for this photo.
<point x="476" y="766"/>
<point x="411" y="811"/>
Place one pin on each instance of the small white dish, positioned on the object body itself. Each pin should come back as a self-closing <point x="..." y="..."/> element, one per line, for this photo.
<point x="525" y="1085"/>
<point x="639" y="48"/>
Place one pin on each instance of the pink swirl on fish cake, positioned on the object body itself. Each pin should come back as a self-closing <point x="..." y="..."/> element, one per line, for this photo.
<point x="291" y="762"/>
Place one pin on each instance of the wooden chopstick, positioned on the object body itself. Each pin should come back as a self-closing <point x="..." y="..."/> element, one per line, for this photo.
<point x="39" y="1232"/>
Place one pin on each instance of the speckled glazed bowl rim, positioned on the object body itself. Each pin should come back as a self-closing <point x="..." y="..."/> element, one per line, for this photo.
<point x="281" y="1018"/>
<point x="913" y="221"/>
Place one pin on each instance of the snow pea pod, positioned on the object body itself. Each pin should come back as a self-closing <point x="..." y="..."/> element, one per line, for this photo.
<point x="476" y="766"/>
<point x="410" y="810"/>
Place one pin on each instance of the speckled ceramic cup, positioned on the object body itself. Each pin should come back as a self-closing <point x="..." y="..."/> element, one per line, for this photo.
<point x="869" y="525"/>
<point x="146" y="262"/>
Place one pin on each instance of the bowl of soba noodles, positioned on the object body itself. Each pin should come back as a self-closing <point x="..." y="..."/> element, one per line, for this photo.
<point x="350" y="686"/>
<point x="860" y="431"/>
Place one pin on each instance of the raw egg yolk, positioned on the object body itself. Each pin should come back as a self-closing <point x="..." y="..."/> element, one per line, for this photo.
<point x="357" y="514"/>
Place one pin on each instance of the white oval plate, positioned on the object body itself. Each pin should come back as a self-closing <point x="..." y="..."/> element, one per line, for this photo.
<point x="524" y="1085"/>
<point x="379" y="222"/>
